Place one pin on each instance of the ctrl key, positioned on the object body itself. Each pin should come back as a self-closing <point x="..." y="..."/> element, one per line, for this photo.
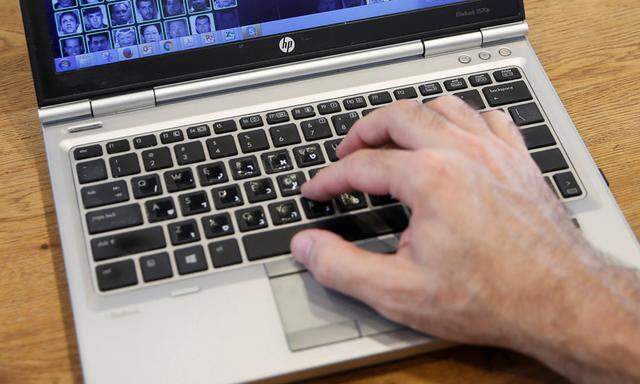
<point x="116" y="275"/>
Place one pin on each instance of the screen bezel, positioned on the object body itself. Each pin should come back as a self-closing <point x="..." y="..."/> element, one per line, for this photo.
<point x="54" y="88"/>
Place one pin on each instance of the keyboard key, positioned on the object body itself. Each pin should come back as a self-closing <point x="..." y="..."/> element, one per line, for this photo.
<point x="303" y="112"/>
<point x="472" y="98"/>
<point x="244" y="167"/>
<point x="455" y="84"/>
<point x="405" y="93"/>
<point x="308" y="155"/>
<point x="259" y="190"/>
<point x="380" y="98"/>
<point x="278" y="161"/>
<point x="190" y="260"/>
<point x="354" y="103"/>
<point x="365" y="112"/>
<point x="116" y="275"/>
<point x="145" y="141"/>
<point x="90" y="171"/>
<point x="110" y="219"/>
<point x="538" y="137"/>
<point x="183" y="232"/>
<point x="526" y="114"/>
<point x="507" y="75"/>
<point x="352" y="227"/>
<point x="284" y="212"/>
<point x="550" y="160"/>
<point x="189" y="153"/>
<point x="124" y="165"/>
<point x="194" y="203"/>
<point x="290" y="184"/>
<point x="316" y="129"/>
<point x="179" y="180"/>
<point x="329" y="107"/>
<point x="314" y="172"/>
<point x="225" y="126"/>
<point x="503" y="94"/>
<point x="171" y="136"/>
<point x="227" y="197"/>
<point x="145" y="186"/>
<point x="217" y="225"/>
<point x="480" y="80"/>
<point x="155" y="267"/>
<point x="567" y="184"/>
<point x="160" y="209"/>
<point x="277" y="117"/>
<point x="430" y="89"/>
<point x="155" y="159"/>
<point x="378" y="200"/>
<point x="250" y="219"/>
<point x="343" y="123"/>
<point x="104" y="194"/>
<point x="198" y="131"/>
<point x="330" y="147"/>
<point x="127" y="243"/>
<point x="351" y="201"/>
<point x="222" y="146"/>
<point x="212" y="174"/>
<point x="87" y="152"/>
<point x="253" y="141"/>
<point x="225" y="253"/>
<point x="283" y="135"/>
<point x="249" y="122"/>
<point x="314" y="209"/>
<point x="118" y="146"/>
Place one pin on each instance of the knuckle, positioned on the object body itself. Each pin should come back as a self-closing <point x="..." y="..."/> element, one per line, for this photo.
<point x="321" y="269"/>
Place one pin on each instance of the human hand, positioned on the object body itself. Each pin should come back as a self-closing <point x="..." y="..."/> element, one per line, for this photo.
<point x="488" y="244"/>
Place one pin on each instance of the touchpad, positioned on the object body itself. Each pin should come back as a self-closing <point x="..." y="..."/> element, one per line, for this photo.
<point x="312" y="315"/>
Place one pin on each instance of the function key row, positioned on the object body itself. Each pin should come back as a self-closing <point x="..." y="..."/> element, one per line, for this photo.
<point x="330" y="107"/>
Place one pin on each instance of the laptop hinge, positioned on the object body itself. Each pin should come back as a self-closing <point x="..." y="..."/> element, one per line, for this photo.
<point x="475" y="39"/>
<point x="181" y="91"/>
<point x="65" y="112"/>
<point x="96" y="108"/>
<point x="123" y="103"/>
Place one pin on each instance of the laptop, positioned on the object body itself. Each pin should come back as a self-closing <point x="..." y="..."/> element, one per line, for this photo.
<point x="178" y="134"/>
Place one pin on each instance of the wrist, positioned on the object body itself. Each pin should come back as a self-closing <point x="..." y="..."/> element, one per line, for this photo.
<point x="584" y="324"/>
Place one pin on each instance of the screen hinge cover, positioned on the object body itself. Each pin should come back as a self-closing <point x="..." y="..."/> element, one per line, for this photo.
<point x="475" y="39"/>
<point x="96" y="108"/>
<point x="186" y="90"/>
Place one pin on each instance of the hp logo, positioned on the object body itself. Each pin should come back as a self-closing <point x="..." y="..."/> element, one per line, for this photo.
<point x="287" y="44"/>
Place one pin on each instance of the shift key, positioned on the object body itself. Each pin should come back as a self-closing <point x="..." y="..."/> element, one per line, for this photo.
<point x="128" y="243"/>
<point x="114" y="218"/>
<point x="504" y="94"/>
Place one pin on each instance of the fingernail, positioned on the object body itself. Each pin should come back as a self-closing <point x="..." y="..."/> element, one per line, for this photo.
<point x="301" y="246"/>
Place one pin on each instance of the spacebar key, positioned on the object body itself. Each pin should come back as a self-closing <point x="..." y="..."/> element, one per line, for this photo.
<point x="354" y="227"/>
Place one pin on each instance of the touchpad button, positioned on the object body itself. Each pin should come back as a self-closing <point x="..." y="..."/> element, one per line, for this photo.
<point x="312" y="315"/>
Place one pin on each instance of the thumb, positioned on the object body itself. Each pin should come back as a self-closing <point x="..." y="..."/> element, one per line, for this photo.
<point x="342" y="266"/>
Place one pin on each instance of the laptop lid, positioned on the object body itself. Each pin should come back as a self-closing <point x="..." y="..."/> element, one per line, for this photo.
<point x="83" y="49"/>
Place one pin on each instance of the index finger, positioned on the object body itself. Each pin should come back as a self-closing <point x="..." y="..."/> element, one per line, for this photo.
<point x="406" y="124"/>
<point x="373" y="171"/>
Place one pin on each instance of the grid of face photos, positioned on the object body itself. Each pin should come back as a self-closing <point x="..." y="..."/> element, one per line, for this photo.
<point x="87" y="26"/>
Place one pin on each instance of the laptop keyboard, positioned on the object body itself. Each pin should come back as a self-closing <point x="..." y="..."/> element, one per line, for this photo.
<point x="223" y="194"/>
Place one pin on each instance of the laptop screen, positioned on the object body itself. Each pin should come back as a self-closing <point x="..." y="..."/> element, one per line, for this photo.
<point x="89" y="33"/>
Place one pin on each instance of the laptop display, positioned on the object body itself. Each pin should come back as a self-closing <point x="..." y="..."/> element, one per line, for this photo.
<point x="89" y="33"/>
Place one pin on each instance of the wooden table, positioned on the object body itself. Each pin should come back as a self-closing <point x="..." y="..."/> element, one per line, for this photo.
<point x="590" y="50"/>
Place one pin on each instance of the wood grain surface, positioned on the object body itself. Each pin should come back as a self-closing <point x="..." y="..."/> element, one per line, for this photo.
<point x="591" y="50"/>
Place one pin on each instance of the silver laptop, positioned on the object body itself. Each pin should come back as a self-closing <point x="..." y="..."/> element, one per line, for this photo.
<point x="178" y="134"/>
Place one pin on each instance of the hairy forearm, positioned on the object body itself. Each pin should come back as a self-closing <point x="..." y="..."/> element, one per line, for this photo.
<point x="590" y="330"/>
